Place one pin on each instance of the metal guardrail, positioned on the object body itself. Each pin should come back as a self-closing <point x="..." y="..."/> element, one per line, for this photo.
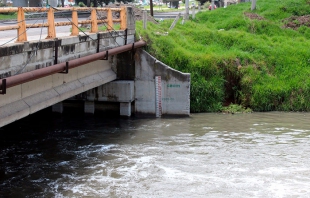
<point x="22" y="26"/>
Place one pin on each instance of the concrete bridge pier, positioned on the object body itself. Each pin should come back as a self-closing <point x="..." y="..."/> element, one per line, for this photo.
<point x="125" y="109"/>
<point x="58" y="108"/>
<point x="89" y="107"/>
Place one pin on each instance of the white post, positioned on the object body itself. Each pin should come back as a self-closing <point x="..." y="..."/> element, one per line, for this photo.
<point x="253" y="7"/>
<point x="186" y="9"/>
<point x="193" y="12"/>
<point x="144" y="19"/>
<point x="212" y="5"/>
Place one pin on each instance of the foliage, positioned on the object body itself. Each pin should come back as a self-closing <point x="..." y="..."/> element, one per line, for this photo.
<point x="233" y="58"/>
<point x="234" y="108"/>
<point x="6" y="16"/>
<point x="81" y="4"/>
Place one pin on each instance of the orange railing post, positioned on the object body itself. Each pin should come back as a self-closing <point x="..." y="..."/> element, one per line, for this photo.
<point x="21" y="27"/>
<point x="75" y="23"/>
<point x="123" y="17"/>
<point x="51" y="32"/>
<point x="110" y="20"/>
<point x="21" y="31"/>
<point x="94" y="26"/>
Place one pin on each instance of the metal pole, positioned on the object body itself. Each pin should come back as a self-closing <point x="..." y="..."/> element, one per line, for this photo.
<point x="212" y="5"/>
<point x="151" y="7"/>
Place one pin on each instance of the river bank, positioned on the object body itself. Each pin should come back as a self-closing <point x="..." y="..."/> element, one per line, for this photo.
<point x="256" y="59"/>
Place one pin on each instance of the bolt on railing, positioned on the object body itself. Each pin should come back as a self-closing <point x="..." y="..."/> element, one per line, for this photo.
<point x="51" y="32"/>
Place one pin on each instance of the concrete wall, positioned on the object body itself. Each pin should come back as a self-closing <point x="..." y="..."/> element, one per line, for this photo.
<point x="19" y="58"/>
<point x="116" y="91"/>
<point x="175" y="92"/>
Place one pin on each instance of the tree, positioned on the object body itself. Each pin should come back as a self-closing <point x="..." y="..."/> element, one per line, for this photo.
<point x="204" y="1"/>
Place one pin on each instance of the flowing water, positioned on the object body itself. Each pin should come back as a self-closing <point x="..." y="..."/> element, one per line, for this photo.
<point x="205" y="155"/>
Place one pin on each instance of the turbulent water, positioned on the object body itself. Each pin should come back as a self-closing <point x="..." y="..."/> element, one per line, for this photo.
<point x="205" y="155"/>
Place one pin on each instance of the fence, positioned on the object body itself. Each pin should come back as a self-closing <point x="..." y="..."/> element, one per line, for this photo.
<point x="22" y="26"/>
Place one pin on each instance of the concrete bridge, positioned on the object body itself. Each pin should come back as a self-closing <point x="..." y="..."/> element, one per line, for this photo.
<point x="96" y="68"/>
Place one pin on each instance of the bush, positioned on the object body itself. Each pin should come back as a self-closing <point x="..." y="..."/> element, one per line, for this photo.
<point x="81" y="4"/>
<point x="206" y="5"/>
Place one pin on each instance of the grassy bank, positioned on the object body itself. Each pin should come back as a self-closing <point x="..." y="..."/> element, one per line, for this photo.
<point x="8" y="16"/>
<point x="238" y="56"/>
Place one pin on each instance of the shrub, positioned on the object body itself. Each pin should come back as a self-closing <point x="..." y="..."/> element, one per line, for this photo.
<point x="81" y="4"/>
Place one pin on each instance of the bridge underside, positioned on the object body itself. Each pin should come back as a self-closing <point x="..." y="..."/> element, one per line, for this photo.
<point x="44" y="92"/>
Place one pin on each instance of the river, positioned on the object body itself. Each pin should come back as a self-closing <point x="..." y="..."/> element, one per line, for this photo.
<point x="205" y="155"/>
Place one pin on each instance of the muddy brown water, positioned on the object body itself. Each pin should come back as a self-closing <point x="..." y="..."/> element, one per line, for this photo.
<point x="205" y="155"/>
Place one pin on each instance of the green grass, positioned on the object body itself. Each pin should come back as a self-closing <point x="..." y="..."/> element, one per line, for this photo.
<point x="234" y="59"/>
<point x="101" y="28"/>
<point x="8" y="16"/>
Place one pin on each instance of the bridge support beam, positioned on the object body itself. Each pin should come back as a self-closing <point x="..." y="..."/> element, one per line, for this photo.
<point x="89" y="107"/>
<point x="58" y="108"/>
<point x="125" y="109"/>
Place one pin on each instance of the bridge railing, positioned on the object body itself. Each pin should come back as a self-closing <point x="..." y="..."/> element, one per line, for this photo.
<point x="21" y="26"/>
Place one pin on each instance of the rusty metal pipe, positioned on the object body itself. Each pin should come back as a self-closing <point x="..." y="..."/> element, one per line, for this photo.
<point x="46" y="71"/>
